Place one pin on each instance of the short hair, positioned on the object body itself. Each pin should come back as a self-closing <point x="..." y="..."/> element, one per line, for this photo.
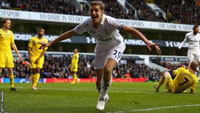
<point x="38" y="29"/>
<point x="99" y="3"/>
<point x="195" y="26"/>
<point x="4" y="20"/>
<point x="76" y="49"/>
<point x="194" y="65"/>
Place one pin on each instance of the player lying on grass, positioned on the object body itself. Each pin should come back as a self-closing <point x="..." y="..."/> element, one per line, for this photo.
<point x="185" y="78"/>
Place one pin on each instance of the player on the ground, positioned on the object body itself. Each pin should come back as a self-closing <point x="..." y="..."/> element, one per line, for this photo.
<point x="36" y="56"/>
<point x="193" y="38"/>
<point x="184" y="79"/>
<point x="74" y="66"/>
<point x="6" y="58"/>
<point x="109" y="48"/>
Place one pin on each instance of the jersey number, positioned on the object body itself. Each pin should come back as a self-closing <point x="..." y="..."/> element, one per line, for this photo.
<point x="186" y="80"/>
<point x="117" y="54"/>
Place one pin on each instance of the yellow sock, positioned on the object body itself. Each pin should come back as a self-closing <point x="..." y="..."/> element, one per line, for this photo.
<point x="161" y="82"/>
<point x="11" y="77"/>
<point x="37" y="77"/>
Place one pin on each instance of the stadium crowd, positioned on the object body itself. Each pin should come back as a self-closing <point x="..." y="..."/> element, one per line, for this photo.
<point x="173" y="66"/>
<point x="177" y="11"/>
<point x="144" y="12"/>
<point x="59" y="67"/>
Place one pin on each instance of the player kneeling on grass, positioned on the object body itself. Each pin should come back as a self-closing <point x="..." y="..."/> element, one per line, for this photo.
<point x="36" y="56"/>
<point x="185" y="78"/>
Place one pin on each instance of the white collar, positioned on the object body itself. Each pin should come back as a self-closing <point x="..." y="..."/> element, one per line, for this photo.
<point x="103" y="19"/>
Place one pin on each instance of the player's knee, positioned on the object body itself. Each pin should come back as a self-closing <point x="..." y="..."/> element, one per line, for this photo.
<point x="10" y="71"/>
<point x="107" y="74"/>
<point x="107" y="71"/>
<point x="37" y="70"/>
<point x="166" y="74"/>
<point x="33" y="71"/>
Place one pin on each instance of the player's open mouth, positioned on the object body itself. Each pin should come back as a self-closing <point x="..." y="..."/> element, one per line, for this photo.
<point x="94" y="17"/>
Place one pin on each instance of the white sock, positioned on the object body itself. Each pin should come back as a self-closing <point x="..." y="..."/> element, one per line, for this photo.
<point x="105" y="88"/>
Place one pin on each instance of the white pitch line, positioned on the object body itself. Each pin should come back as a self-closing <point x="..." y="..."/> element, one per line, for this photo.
<point x="95" y="90"/>
<point x="137" y="110"/>
<point x="151" y="109"/>
<point x="127" y="92"/>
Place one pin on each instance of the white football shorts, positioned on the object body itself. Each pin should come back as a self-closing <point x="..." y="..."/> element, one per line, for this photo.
<point x="193" y="55"/>
<point x="104" y="52"/>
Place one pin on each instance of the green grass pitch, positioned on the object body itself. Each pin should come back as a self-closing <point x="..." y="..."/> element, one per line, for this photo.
<point x="82" y="98"/>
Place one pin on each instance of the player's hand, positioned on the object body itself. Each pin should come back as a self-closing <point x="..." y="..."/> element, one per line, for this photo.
<point x="37" y="61"/>
<point x="20" y="59"/>
<point x="155" y="45"/>
<point x="44" y="45"/>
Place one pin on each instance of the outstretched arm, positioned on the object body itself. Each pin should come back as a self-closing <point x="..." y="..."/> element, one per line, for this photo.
<point x="63" y="36"/>
<point x="138" y="34"/>
<point x="183" y="42"/>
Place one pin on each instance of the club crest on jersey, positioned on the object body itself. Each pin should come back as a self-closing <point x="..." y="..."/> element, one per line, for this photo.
<point x="92" y="31"/>
<point x="106" y="31"/>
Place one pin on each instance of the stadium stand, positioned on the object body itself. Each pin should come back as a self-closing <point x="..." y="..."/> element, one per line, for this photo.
<point x="144" y="12"/>
<point x="58" y="67"/>
<point x="177" y="11"/>
<point x="54" y="6"/>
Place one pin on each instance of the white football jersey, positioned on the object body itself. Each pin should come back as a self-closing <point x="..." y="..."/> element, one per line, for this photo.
<point x="107" y="31"/>
<point x="193" y="40"/>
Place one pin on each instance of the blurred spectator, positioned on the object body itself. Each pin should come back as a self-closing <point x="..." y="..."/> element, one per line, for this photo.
<point x="58" y="67"/>
<point x="177" y="11"/>
<point x="143" y="11"/>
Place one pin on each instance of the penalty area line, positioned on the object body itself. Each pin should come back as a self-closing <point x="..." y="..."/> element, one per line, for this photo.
<point x="158" y="108"/>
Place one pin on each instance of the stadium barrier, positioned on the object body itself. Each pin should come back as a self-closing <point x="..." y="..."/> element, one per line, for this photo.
<point x="20" y="80"/>
<point x="62" y="80"/>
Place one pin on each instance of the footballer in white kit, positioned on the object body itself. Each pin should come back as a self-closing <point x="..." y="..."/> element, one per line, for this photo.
<point x="109" y="47"/>
<point x="109" y="41"/>
<point x="193" y="39"/>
